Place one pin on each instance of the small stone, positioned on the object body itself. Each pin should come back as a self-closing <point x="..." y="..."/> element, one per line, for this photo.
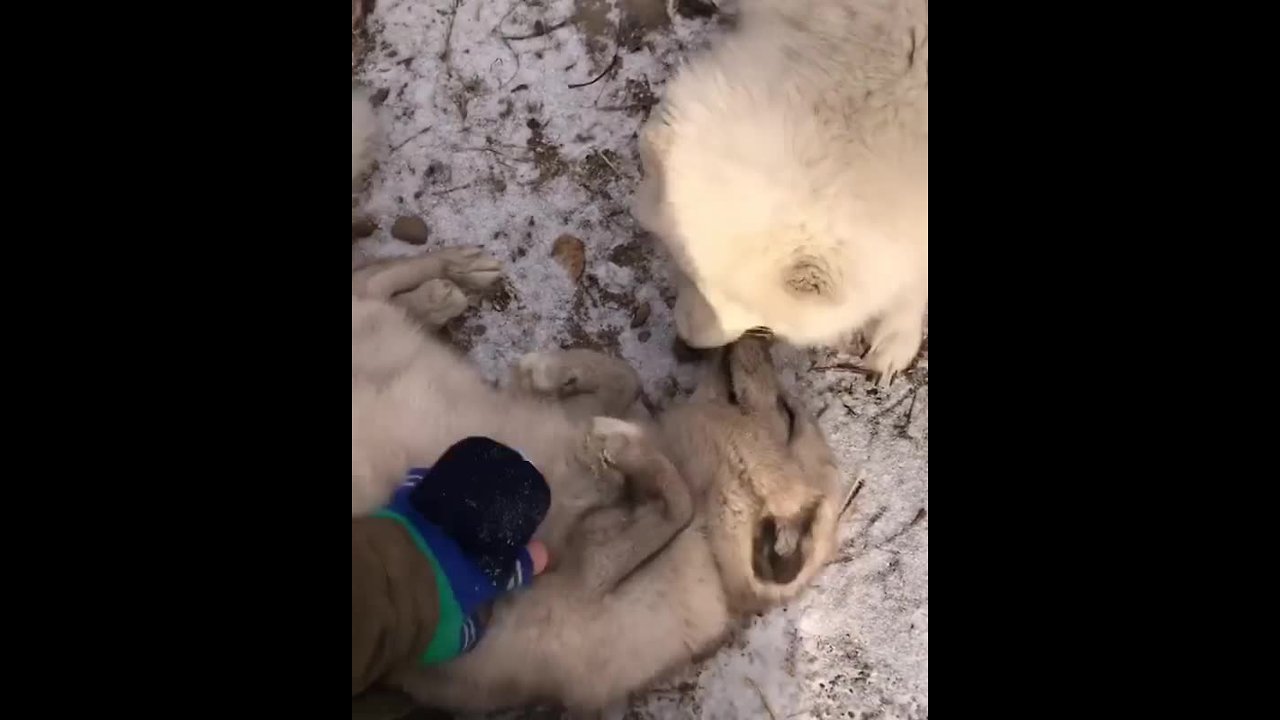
<point x="695" y="8"/>
<point x="640" y="315"/>
<point x="379" y="97"/>
<point x="362" y="226"/>
<point x="571" y="254"/>
<point x="411" y="229"/>
<point x="644" y="336"/>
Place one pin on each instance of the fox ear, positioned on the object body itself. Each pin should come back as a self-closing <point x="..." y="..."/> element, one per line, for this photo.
<point x="810" y="276"/>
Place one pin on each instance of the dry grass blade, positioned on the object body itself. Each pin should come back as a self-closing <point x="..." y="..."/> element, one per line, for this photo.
<point x="763" y="700"/>
<point x="853" y="493"/>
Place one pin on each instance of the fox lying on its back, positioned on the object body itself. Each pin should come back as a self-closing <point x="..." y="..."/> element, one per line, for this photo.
<point x="787" y="171"/>
<point x="661" y="535"/>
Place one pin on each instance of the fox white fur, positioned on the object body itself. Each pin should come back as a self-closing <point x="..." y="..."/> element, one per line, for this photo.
<point x="661" y="535"/>
<point x="787" y="171"/>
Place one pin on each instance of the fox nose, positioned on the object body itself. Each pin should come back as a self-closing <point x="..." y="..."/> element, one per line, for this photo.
<point x="787" y="539"/>
<point x="684" y="353"/>
<point x="778" y="555"/>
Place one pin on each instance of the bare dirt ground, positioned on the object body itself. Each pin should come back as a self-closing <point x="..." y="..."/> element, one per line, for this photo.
<point x="511" y="124"/>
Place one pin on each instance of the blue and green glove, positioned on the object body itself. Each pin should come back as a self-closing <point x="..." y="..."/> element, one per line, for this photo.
<point x="461" y="538"/>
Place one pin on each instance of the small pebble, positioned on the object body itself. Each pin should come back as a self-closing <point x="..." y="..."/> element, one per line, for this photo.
<point x="411" y="229"/>
<point x="640" y="315"/>
<point x="570" y="253"/>
<point x="362" y="227"/>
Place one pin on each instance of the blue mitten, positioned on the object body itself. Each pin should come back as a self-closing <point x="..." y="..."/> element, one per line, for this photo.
<point x="473" y="514"/>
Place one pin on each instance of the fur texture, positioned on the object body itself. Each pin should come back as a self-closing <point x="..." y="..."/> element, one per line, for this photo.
<point x="661" y="535"/>
<point x="787" y="171"/>
<point x="412" y="396"/>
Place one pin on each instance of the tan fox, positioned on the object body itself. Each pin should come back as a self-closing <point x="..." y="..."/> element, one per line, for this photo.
<point x="662" y="534"/>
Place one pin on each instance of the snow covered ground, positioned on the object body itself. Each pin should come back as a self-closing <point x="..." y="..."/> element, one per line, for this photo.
<point x="512" y="124"/>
